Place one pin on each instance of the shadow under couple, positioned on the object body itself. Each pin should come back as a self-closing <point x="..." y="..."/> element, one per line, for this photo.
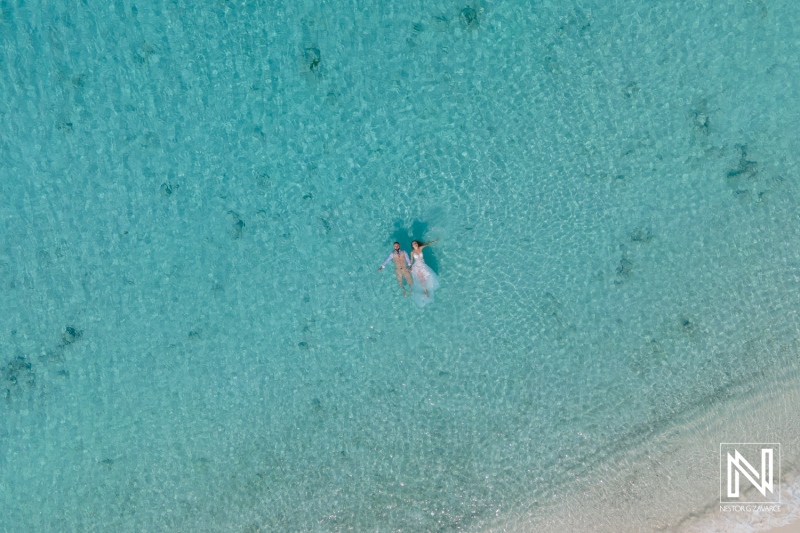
<point x="421" y="279"/>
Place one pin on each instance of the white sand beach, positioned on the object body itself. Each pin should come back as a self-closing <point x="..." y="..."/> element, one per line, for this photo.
<point x="672" y="483"/>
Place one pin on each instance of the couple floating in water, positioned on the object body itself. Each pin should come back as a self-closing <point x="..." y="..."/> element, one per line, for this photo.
<point x="421" y="279"/>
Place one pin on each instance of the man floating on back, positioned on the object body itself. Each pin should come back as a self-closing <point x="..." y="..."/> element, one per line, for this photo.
<point x="401" y="267"/>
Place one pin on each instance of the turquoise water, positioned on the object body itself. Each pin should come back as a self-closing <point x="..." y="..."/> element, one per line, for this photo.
<point x="196" y="198"/>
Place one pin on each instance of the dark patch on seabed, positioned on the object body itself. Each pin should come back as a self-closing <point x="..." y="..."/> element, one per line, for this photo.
<point x="750" y="181"/>
<point x="70" y="335"/>
<point x="236" y="228"/>
<point x="469" y="17"/>
<point x="745" y="169"/>
<point x="624" y="268"/>
<point x="18" y="377"/>
<point x="312" y="59"/>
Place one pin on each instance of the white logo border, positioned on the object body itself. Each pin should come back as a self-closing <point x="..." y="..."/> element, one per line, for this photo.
<point x="721" y="468"/>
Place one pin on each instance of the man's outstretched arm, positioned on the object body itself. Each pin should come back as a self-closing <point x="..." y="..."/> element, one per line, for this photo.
<point x="387" y="260"/>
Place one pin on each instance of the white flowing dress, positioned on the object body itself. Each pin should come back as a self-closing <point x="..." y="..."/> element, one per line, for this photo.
<point x="424" y="279"/>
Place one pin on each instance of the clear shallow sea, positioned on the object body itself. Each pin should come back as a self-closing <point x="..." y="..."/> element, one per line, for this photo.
<point x="196" y="197"/>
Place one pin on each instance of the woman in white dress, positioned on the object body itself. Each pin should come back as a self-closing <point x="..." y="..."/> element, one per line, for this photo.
<point x="425" y="279"/>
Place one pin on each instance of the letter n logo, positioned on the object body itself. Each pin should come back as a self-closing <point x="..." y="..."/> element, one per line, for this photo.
<point x="739" y="476"/>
